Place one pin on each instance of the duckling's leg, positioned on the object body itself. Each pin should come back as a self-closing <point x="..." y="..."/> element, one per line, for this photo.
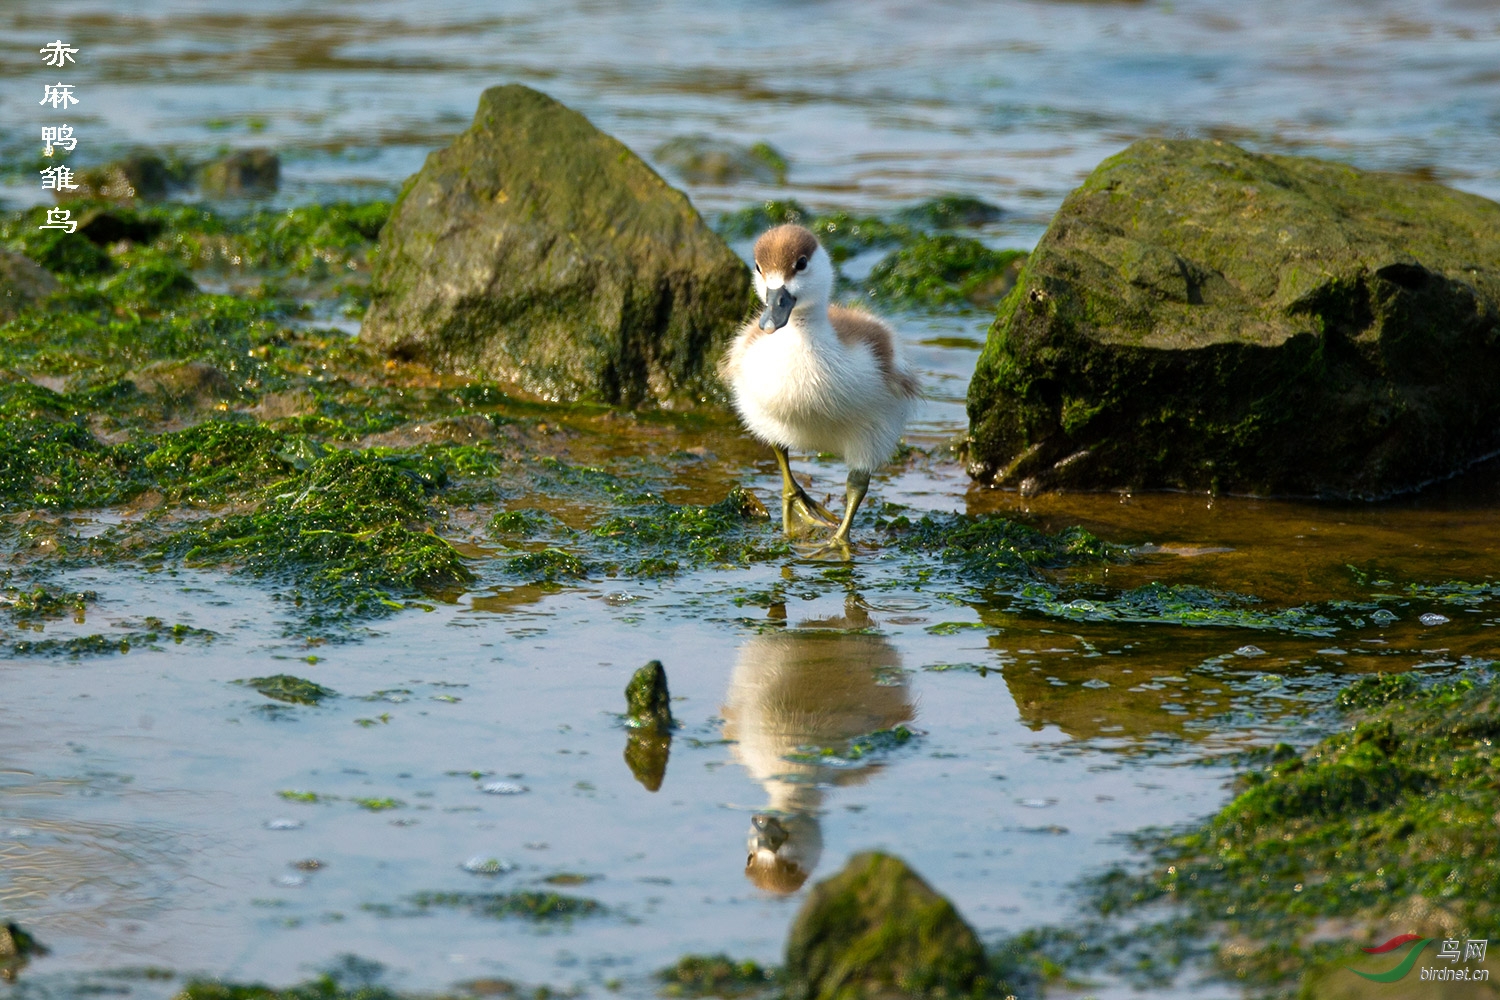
<point x="799" y="512"/>
<point x="854" y="495"/>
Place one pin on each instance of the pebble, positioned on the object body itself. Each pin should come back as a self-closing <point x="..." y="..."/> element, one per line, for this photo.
<point x="481" y="865"/>
<point x="502" y="788"/>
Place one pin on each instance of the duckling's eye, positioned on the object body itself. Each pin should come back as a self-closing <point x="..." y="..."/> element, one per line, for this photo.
<point x="802" y="263"/>
<point x="757" y="267"/>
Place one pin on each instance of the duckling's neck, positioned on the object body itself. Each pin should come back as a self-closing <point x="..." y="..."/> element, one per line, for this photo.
<point x="812" y="324"/>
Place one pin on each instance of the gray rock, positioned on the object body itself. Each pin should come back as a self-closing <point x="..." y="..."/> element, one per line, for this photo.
<point x="22" y="282"/>
<point x="539" y="251"/>
<point x="1200" y="317"/>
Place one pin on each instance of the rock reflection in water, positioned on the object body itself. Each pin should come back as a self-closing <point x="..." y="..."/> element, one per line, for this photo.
<point x="796" y="701"/>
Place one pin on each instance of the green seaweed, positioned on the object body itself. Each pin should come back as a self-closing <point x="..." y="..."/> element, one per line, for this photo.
<point x="41" y="603"/>
<point x="325" y="987"/>
<point x="1398" y="804"/>
<point x="658" y="536"/>
<point x="950" y="212"/>
<point x="543" y="907"/>
<point x="943" y="271"/>
<point x="290" y="689"/>
<point x="352" y="530"/>
<point x="714" y="976"/>
<point x="1178" y="604"/>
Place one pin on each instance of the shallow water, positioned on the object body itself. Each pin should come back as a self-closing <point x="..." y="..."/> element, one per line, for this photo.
<point x="139" y="807"/>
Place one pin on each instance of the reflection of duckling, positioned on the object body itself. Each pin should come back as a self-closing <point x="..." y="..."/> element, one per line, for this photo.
<point x="806" y="689"/>
<point x="817" y="377"/>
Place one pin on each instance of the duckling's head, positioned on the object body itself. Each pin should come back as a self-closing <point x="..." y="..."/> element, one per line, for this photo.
<point x="792" y="272"/>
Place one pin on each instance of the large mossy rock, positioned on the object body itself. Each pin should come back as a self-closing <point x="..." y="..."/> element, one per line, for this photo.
<point x="539" y="251"/>
<point x="875" y="930"/>
<point x="1204" y="318"/>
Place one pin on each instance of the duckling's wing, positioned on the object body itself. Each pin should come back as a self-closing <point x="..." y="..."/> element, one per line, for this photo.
<point x="855" y="327"/>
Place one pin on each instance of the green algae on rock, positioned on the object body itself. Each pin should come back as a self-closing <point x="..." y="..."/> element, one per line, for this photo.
<point x="714" y="976"/>
<point x="543" y="907"/>
<point x="877" y="929"/>
<point x="243" y="174"/>
<point x="539" y="251"/>
<point x="648" y="713"/>
<point x="1201" y="317"/>
<point x="1387" y="823"/>
<point x="702" y="159"/>
<point x="290" y="689"/>
<point x="648" y="705"/>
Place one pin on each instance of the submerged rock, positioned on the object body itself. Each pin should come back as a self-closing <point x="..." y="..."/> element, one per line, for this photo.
<point x="1201" y="317"/>
<point x="17" y="947"/>
<point x="22" y="282"/>
<point x="540" y="251"/>
<point x="876" y="929"/>
<point x="243" y="174"/>
<point x="144" y="176"/>
<point x="702" y="159"/>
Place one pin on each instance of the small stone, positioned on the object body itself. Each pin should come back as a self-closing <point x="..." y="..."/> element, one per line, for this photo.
<point x="247" y="173"/>
<point x="22" y="282"/>
<point x="191" y="383"/>
<point x="479" y="864"/>
<point x="146" y="176"/>
<point x="503" y="788"/>
<point x="648" y="704"/>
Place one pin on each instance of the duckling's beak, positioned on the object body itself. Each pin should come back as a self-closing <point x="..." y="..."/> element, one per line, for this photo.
<point x="767" y="833"/>
<point x="779" y="304"/>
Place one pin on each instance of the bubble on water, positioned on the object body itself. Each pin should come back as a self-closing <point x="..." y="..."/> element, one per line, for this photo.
<point x="481" y="865"/>
<point x="503" y="788"/>
<point x="1250" y="651"/>
<point x="1433" y="618"/>
<point x="290" y="881"/>
<point x="1095" y="683"/>
<point x="1036" y="803"/>
<point x="1382" y="617"/>
<point x="282" y="823"/>
<point x="20" y="831"/>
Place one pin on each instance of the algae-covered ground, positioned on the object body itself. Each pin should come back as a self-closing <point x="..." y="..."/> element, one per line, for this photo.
<point x="192" y="376"/>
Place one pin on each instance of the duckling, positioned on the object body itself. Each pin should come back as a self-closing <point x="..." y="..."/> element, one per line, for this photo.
<point x="817" y="377"/>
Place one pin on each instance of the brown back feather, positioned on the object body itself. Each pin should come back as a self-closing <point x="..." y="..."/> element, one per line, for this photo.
<point x="855" y="326"/>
